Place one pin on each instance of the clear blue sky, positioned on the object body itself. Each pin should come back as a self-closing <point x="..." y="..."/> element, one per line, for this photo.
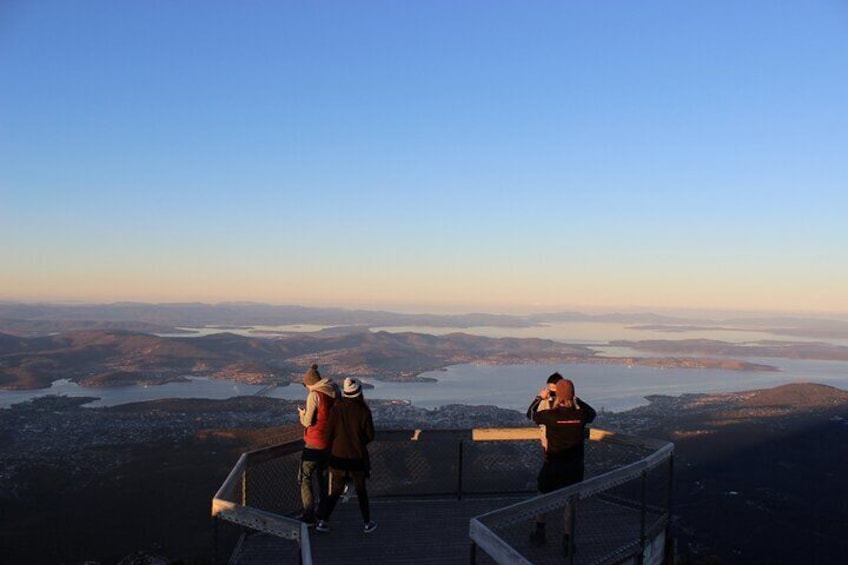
<point x="429" y="154"/>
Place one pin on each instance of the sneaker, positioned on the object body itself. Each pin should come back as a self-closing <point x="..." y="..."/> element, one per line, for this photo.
<point x="370" y="527"/>
<point x="537" y="537"/>
<point x="322" y="526"/>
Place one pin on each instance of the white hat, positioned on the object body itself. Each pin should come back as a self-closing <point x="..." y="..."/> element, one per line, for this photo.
<point x="352" y="387"/>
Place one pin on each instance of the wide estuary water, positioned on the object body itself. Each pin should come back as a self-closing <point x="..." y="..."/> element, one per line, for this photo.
<point x="612" y="387"/>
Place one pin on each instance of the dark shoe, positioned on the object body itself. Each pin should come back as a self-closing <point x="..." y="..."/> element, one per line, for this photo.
<point x="323" y="526"/>
<point x="537" y="537"/>
<point x="307" y="519"/>
<point x="370" y="527"/>
<point x="310" y="522"/>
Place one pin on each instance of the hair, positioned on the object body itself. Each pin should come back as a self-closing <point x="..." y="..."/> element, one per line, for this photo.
<point x="554" y="379"/>
<point x="565" y="393"/>
<point x="359" y="398"/>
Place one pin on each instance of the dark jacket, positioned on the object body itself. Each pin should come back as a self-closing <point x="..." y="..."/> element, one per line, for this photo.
<point x="565" y="430"/>
<point x="540" y="404"/>
<point x="349" y="430"/>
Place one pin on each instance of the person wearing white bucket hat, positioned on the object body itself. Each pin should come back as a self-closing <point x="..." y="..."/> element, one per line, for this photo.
<point x="349" y="430"/>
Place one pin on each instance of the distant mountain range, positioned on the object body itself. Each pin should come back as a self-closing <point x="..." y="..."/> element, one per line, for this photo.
<point x="41" y="319"/>
<point x="711" y="347"/>
<point x="237" y="314"/>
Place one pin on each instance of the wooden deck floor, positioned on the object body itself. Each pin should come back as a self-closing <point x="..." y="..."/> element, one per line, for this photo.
<point x="436" y="532"/>
<point x="408" y="531"/>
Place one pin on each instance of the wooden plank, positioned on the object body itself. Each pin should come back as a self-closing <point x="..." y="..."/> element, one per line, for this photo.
<point x="506" y="434"/>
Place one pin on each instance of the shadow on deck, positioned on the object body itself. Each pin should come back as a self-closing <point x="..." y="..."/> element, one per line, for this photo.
<point x="408" y="531"/>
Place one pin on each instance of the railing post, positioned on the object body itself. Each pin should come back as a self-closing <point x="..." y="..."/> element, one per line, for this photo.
<point x="669" y="539"/>
<point x="244" y="485"/>
<point x="305" y="546"/>
<point x="215" y="542"/>
<point x="245" y="530"/>
<point x="670" y="483"/>
<point x="644" y="517"/>
<point x="473" y="553"/>
<point x="572" y="526"/>
<point x="459" y="472"/>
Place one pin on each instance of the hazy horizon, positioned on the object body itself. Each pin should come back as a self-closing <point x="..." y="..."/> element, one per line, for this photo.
<point x="427" y="156"/>
<point x="706" y="315"/>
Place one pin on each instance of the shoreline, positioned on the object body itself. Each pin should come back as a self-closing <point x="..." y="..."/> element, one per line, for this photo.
<point x="124" y="377"/>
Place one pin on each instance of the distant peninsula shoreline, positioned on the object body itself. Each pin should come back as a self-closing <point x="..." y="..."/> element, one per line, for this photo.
<point x="103" y="358"/>
<point x="140" y="344"/>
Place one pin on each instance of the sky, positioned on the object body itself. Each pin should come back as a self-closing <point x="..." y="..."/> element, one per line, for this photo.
<point x="426" y="155"/>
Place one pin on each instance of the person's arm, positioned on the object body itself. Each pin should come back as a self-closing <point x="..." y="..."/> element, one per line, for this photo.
<point x="308" y="415"/>
<point x="330" y="429"/>
<point x="368" y="431"/>
<point x="541" y="416"/>
<point x="534" y="406"/>
<point x="589" y="412"/>
<point x="531" y="410"/>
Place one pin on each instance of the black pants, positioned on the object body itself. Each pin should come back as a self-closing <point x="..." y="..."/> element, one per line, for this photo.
<point x="338" y="479"/>
<point x="555" y="474"/>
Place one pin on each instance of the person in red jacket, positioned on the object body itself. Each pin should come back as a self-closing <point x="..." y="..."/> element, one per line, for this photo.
<point x="349" y="431"/>
<point x="313" y="462"/>
<point x="565" y="432"/>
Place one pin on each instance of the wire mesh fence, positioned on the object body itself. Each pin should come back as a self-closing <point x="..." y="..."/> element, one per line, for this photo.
<point x="615" y="513"/>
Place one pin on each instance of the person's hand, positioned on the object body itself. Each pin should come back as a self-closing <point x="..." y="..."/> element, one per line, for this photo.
<point x="301" y="410"/>
<point x="544" y="393"/>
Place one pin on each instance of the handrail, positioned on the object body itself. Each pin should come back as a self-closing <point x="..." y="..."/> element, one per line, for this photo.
<point x="233" y="506"/>
<point x="229" y="482"/>
<point x="483" y="536"/>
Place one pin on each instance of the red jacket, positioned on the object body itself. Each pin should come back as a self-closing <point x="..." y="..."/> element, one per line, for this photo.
<point x="318" y="405"/>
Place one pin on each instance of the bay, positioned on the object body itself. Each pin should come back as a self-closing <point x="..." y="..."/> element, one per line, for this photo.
<point x="609" y="387"/>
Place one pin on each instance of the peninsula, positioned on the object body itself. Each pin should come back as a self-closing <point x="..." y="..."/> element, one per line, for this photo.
<point x="120" y="357"/>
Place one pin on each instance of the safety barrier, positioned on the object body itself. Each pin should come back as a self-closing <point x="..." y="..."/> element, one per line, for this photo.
<point x="627" y="490"/>
<point x="619" y="516"/>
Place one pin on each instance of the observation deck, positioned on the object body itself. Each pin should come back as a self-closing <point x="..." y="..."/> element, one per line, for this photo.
<point x="455" y="496"/>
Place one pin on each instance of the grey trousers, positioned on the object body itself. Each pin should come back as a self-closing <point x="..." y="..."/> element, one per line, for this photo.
<point x="313" y="480"/>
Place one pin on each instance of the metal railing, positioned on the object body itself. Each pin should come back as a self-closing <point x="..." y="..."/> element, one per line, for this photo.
<point x="629" y="474"/>
<point x="618" y="516"/>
